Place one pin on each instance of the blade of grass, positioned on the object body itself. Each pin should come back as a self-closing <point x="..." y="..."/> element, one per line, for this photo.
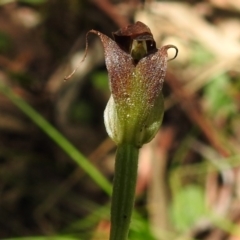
<point x="58" y="138"/>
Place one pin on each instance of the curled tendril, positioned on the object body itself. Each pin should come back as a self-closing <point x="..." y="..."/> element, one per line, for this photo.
<point x="99" y="34"/>
<point x="171" y="46"/>
<point x="85" y="55"/>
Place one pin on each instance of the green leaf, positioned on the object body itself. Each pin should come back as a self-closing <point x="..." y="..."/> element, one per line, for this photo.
<point x="200" y="55"/>
<point x="218" y="97"/>
<point x="187" y="207"/>
<point x="100" y="80"/>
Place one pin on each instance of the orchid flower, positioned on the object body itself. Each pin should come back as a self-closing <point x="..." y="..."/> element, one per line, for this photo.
<point x="136" y="70"/>
<point x="134" y="113"/>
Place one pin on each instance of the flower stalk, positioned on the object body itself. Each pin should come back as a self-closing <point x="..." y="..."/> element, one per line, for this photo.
<point x="126" y="163"/>
<point x="133" y="115"/>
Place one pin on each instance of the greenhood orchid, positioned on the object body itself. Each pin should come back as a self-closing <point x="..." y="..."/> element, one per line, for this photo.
<point x="133" y="115"/>
<point x="136" y="71"/>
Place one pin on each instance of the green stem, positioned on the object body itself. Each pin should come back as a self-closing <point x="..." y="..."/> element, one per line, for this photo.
<point x="123" y="191"/>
